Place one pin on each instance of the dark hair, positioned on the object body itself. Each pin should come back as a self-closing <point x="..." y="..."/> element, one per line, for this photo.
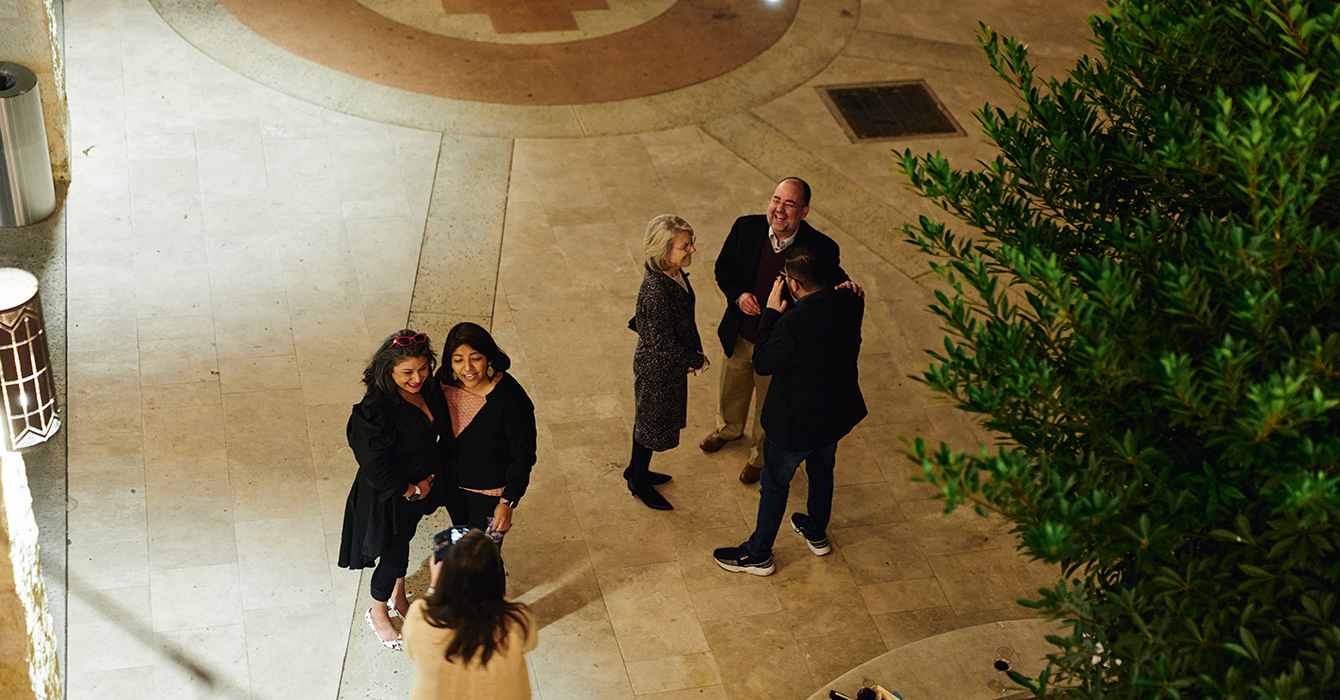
<point x="469" y="598"/>
<point x="806" y="266"/>
<point x="475" y="336"/>
<point x="804" y="189"/>
<point x="377" y="376"/>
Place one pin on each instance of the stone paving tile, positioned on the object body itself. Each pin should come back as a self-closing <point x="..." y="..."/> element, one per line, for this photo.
<point x="235" y="254"/>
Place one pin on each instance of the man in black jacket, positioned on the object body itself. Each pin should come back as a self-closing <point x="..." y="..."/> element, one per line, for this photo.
<point x="814" y="400"/>
<point x="749" y="262"/>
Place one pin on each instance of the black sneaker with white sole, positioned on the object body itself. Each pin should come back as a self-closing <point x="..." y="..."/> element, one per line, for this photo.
<point x="820" y="546"/>
<point x="739" y="559"/>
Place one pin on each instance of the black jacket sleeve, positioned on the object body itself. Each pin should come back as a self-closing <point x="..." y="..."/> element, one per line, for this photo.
<point x="519" y="431"/>
<point x="372" y="438"/>
<point x="774" y="347"/>
<point x="732" y="279"/>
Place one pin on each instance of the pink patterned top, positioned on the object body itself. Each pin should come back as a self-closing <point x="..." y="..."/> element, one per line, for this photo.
<point x="464" y="407"/>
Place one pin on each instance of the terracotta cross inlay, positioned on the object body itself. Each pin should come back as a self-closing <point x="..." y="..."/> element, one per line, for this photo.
<point x="522" y="16"/>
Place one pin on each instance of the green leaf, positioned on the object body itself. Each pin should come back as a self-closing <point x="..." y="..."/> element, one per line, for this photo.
<point x="1143" y="318"/>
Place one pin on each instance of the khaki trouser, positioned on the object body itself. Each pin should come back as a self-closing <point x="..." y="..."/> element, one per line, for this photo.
<point x="738" y="384"/>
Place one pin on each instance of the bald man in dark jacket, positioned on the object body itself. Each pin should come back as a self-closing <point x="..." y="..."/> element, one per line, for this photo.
<point x="749" y="262"/>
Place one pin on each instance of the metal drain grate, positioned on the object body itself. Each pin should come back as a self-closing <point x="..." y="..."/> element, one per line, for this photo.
<point x="889" y="110"/>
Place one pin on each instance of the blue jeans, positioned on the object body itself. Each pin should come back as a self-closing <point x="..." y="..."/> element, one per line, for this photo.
<point x="779" y="467"/>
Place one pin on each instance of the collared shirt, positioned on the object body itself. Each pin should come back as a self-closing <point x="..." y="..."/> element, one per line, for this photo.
<point x="802" y="300"/>
<point x="778" y="245"/>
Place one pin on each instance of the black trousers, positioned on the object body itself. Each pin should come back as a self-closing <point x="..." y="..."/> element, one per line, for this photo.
<point x="393" y="562"/>
<point x="475" y="509"/>
<point x="391" y="565"/>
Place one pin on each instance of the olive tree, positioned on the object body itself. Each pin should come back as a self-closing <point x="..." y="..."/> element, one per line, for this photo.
<point x="1147" y="315"/>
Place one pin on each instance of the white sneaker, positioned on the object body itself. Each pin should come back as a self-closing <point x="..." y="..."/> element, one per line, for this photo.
<point x="820" y="546"/>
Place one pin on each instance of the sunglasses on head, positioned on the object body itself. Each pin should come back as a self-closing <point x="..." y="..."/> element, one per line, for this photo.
<point x="405" y="340"/>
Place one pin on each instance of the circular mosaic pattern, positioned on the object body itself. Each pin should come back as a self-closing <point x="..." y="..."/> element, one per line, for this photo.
<point x="533" y="22"/>
<point x="696" y="61"/>
<point x="695" y="40"/>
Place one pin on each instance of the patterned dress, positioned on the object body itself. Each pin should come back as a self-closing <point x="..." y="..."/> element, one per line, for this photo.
<point x="667" y="348"/>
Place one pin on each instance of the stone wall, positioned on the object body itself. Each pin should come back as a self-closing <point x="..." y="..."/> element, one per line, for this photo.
<point x="28" y="667"/>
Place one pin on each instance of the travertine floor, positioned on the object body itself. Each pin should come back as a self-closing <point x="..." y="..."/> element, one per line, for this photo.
<point x="234" y="256"/>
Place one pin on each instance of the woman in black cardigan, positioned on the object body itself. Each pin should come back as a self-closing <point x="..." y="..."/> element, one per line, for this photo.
<point x="494" y="424"/>
<point x="400" y="434"/>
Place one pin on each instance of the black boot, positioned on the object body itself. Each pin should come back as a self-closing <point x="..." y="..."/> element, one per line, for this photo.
<point x="640" y="482"/>
<point x="649" y="495"/>
<point x="657" y="478"/>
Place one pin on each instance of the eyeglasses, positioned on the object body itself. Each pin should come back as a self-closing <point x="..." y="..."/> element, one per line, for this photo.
<point x="693" y="243"/>
<point x="405" y="340"/>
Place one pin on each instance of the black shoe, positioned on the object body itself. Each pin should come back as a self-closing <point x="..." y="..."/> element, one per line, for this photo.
<point x="739" y="559"/>
<point x="820" y="546"/>
<point x="657" y="478"/>
<point x="650" y="497"/>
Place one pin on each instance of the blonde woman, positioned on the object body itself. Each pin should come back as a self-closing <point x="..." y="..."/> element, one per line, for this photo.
<point x="668" y="350"/>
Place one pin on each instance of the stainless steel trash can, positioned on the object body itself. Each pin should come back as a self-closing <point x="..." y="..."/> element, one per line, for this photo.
<point x="27" y="191"/>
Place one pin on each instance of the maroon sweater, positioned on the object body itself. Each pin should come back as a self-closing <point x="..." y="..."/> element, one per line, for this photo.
<point x="769" y="266"/>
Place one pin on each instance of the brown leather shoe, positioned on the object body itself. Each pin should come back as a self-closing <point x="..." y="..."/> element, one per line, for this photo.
<point x="713" y="442"/>
<point x="750" y="474"/>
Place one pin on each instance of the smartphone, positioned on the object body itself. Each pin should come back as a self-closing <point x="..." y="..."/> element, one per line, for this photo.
<point x="442" y="541"/>
<point x="497" y="535"/>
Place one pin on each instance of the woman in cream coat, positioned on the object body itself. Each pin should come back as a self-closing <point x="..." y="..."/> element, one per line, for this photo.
<point x="468" y="641"/>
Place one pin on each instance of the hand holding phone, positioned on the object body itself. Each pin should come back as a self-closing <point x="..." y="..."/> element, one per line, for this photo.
<point x="497" y="535"/>
<point x="777" y="299"/>
<point x="442" y="541"/>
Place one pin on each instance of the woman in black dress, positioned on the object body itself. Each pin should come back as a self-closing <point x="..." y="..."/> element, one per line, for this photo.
<point x="493" y="421"/>
<point x="668" y="350"/>
<point x="401" y="436"/>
